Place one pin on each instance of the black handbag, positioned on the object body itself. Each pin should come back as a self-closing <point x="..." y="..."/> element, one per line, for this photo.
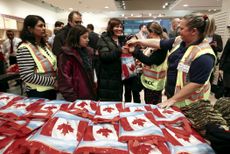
<point x="218" y="89"/>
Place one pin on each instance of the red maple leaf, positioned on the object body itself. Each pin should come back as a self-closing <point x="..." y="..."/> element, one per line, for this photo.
<point x="104" y="131"/>
<point x="4" y="98"/>
<point x="140" y="122"/>
<point x="19" y="105"/>
<point x="108" y="109"/>
<point x="138" y="110"/>
<point x="82" y="104"/>
<point x="143" y="148"/>
<point x="65" y="128"/>
<point x="132" y="68"/>
<point x="125" y="70"/>
<point x="168" y="111"/>
<point x="50" y="107"/>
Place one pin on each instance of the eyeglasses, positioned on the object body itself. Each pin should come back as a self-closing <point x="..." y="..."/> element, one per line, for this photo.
<point x="78" y="22"/>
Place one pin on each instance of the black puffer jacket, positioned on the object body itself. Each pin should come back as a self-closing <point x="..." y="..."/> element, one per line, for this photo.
<point x="225" y="58"/>
<point x="109" y="80"/>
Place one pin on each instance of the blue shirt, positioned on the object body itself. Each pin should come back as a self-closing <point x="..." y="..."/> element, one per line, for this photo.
<point x="199" y="70"/>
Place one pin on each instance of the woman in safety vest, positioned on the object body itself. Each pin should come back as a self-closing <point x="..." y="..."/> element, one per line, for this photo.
<point x="154" y="71"/>
<point x="190" y="61"/>
<point x="37" y="64"/>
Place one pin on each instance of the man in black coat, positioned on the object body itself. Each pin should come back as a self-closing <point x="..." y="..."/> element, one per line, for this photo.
<point x="74" y="18"/>
<point x="93" y="39"/>
<point x="216" y="43"/>
<point x="224" y="66"/>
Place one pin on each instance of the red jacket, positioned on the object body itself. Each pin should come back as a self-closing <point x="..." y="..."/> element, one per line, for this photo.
<point x="74" y="81"/>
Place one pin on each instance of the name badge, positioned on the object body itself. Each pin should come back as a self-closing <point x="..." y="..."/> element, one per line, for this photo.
<point x="183" y="67"/>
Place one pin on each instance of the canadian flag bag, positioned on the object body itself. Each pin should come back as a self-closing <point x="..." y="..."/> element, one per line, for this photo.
<point x="148" y="147"/>
<point x="45" y="110"/>
<point x="83" y="108"/>
<point x="61" y="134"/>
<point x="108" y="112"/>
<point x="6" y="98"/>
<point x="128" y="66"/>
<point x="170" y="115"/>
<point x="25" y="102"/>
<point x="102" y="138"/>
<point x="5" y="141"/>
<point x="180" y="141"/>
<point x="14" y="110"/>
<point x="136" y="107"/>
<point x="14" y="146"/>
<point x="19" y="128"/>
<point x="25" y="127"/>
<point x="18" y="108"/>
<point x="139" y="126"/>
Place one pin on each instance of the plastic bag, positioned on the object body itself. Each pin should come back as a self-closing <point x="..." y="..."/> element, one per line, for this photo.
<point x="128" y="66"/>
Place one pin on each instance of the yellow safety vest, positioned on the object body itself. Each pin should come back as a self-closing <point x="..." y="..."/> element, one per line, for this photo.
<point x="193" y="52"/>
<point x="46" y="64"/>
<point x="153" y="77"/>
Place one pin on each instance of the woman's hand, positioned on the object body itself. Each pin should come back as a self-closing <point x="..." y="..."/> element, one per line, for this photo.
<point x="166" y="104"/>
<point x="132" y="42"/>
<point x="125" y="49"/>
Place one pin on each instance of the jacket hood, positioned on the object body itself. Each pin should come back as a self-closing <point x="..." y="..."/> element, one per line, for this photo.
<point x="69" y="51"/>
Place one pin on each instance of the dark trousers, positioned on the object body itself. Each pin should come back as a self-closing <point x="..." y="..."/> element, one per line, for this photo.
<point x="49" y="94"/>
<point x="152" y="96"/>
<point x="12" y="60"/>
<point x="130" y="91"/>
<point x="226" y="92"/>
<point x="3" y="84"/>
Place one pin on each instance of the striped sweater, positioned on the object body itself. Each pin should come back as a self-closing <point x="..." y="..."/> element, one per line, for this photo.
<point x="27" y="67"/>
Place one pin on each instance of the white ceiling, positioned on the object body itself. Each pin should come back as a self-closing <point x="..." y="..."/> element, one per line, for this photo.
<point x="138" y="8"/>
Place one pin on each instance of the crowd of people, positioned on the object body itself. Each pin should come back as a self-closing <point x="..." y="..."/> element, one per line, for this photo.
<point x="81" y="64"/>
<point x="156" y="54"/>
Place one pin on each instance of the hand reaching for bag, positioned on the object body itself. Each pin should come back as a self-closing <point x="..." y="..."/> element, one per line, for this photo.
<point x="125" y="49"/>
<point x="166" y="104"/>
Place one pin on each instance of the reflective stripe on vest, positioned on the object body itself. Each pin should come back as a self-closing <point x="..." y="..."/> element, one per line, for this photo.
<point x="153" y="74"/>
<point x="190" y="55"/>
<point x="153" y="78"/>
<point x="45" y="62"/>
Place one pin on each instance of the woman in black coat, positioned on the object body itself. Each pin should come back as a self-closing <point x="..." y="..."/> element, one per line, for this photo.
<point x="109" y="47"/>
<point x="225" y="65"/>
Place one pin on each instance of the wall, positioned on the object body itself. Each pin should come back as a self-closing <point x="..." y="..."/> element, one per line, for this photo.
<point x="98" y="20"/>
<point x="222" y="20"/>
<point x="21" y="9"/>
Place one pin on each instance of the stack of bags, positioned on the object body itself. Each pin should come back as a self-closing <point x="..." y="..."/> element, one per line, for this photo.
<point x="86" y="126"/>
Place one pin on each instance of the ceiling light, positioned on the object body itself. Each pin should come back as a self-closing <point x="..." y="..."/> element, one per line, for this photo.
<point x="122" y="15"/>
<point x="166" y="4"/>
<point x="106" y="7"/>
<point x="214" y="9"/>
<point x="150" y="14"/>
<point x="185" y="5"/>
<point x="163" y="6"/>
<point x="131" y="15"/>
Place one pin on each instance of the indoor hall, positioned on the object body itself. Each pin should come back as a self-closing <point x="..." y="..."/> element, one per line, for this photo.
<point x="131" y="49"/>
